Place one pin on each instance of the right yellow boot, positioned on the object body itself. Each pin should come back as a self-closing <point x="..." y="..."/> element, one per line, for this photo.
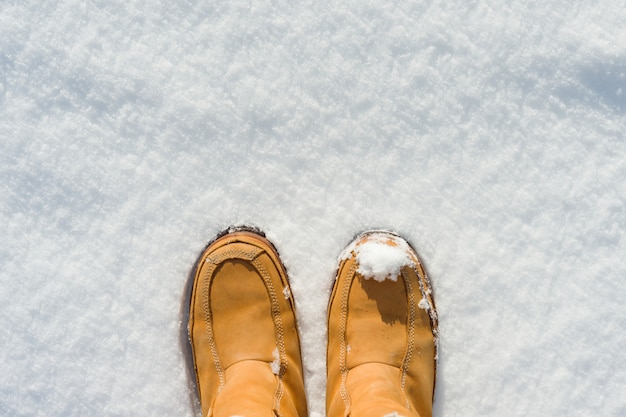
<point x="382" y="327"/>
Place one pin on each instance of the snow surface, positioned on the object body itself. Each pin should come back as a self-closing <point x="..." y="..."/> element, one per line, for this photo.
<point x="490" y="134"/>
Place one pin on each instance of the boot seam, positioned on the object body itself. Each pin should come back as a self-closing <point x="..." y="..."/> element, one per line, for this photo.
<point x="278" y="330"/>
<point x="410" y="335"/>
<point x="427" y="294"/>
<point x="208" y="315"/>
<point x="345" y="294"/>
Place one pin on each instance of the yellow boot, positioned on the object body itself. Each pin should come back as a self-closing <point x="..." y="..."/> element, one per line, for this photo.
<point x="382" y="327"/>
<point x="242" y="329"/>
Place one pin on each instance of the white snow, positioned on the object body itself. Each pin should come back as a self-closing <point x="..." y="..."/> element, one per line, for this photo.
<point x="275" y="364"/>
<point x="489" y="134"/>
<point x="286" y="293"/>
<point x="380" y="256"/>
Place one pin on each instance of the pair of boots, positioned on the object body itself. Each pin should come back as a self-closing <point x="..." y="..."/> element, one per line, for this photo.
<point x="382" y="326"/>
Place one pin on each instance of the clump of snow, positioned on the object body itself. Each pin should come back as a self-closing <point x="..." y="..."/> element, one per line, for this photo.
<point x="286" y="293"/>
<point x="380" y="256"/>
<point x="424" y="304"/>
<point x="393" y="414"/>
<point x="275" y="364"/>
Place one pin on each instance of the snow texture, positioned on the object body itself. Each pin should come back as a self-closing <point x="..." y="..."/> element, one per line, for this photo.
<point x="489" y="134"/>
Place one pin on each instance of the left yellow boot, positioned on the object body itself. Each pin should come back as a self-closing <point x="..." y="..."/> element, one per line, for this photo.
<point x="242" y="329"/>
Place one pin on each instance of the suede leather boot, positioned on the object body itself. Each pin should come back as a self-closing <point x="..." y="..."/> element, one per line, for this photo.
<point x="242" y="329"/>
<point x="382" y="332"/>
